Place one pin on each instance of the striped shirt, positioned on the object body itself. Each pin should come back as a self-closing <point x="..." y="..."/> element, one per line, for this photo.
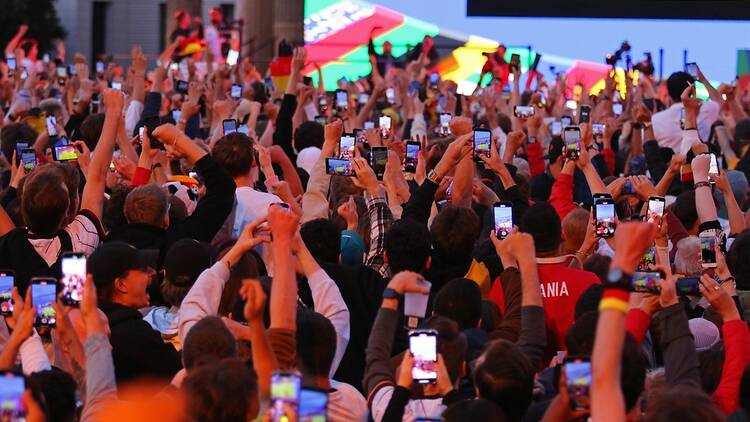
<point x="84" y="235"/>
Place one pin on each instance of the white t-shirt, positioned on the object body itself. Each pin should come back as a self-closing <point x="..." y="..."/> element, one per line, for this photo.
<point x="250" y="205"/>
<point x="346" y="404"/>
<point x="424" y="408"/>
<point x="666" y="124"/>
<point x="83" y="235"/>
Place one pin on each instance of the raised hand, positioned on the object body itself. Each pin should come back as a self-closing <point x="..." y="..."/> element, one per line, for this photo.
<point x="255" y="301"/>
<point x="283" y="223"/>
<point x="348" y="211"/>
<point x="631" y="241"/>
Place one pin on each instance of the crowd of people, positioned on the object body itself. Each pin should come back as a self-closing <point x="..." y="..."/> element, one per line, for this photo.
<point x="386" y="249"/>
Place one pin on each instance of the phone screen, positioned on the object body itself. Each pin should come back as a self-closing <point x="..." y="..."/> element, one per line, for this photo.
<point x="43" y="295"/>
<point x="713" y="167"/>
<point x="708" y="253"/>
<point x="313" y="405"/>
<point x="503" y="219"/>
<point x="6" y="293"/>
<point x="617" y="109"/>
<point x="230" y="126"/>
<point x="232" y="57"/>
<point x="423" y="347"/>
<point x="556" y="128"/>
<point x="99" y="67"/>
<point x="285" y="387"/>
<point x="236" y="92"/>
<point x="20" y="146"/>
<point x="378" y="160"/>
<point x="411" y="157"/>
<point x="692" y="69"/>
<point x="73" y="277"/>
<point x="65" y="153"/>
<point x="688" y="286"/>
<point x="11" y="63"/>
<point x="434" y="78"/>
<point x="390" y="95"/>
<point x="645" y="282"/>
<point x="523" y="112"/>
<point x="482" y="143"/>
<point x="445" y="120"/>
<point x="346" y="146"/>
<point x="28" y="156"/>
<point x="655" y="209"/>
<point x="584" y="114"/>
<point x="597" y="129"/>
<point x="572" y="137"/>
<point x="61" y="72"/>
<point x="566" y="121"/>
<point x="369" y="125"/>
<point x="578" y="379"/>
<point x="363" y="97"/>
<point x="51" y="129"/>
<point x="342" y="99"/>
<point x="12" y="387"/>
<point x="605" y="217"/>
<point x="176" y="114"/>
<point x="339" y="167"/>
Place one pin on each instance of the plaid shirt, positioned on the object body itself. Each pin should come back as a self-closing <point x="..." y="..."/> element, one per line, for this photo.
<point x="380" y="221"/>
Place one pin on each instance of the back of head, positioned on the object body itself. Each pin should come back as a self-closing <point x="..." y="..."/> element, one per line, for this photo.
<point x="580" y="337"/>
<point x="574" y="227"/>
<point x="234" y="152"/>
<point x="224" y="391"/>
<point x="684" y="209"/>
<point x="91" y="129"/>
<point x="14" y="133"/>
<point x="407" y="246"/>
<point x="543" y="223"/>
<point x="588" y="300"/>
<point x="316" y="343"/>
<point x="454" y="232"/>
<point x="685" y="404"/>
<point x="44" y="201"/>
<point x="308" y="134"/>
<point x="599" y="265"/>
<point x="147" y="205"/>
<point x="451" y="344"/>
<point x="51" y="106"/>
<point x="677" y="83"/>
<point x="208" y="341"/>
<point x="685" y="262"/>
<point x="505" y="376"/>
<point x="184" y="261"/>
<point x="460" y="300"/>
<point x="323" y="239"/>
<point x="738" y="260"/>
<point x="474" y="410"/>
<point x="59" y="390"/>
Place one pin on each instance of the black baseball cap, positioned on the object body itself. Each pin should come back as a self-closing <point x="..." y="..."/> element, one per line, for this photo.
<point x="186" y="259"/>
<point x="112" y="260"/>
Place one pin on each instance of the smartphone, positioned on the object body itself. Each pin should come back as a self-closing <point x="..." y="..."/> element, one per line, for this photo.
<point x="523" y="112"/>
<point x="688" y="286"/>
<point x="20" y="146"/>
<point x="99" y="67"/>
<point x="423" y="348"/>
<point x="285" y="390"/>
<point x="445" y="128"/>
<point x="181" y="87"/>
<point x="73" y="277"/>
<point x="390" y="95"/>
<point x="384" y="122"/>
<point x="578" y="379"/>
<point x="604" y="215"/>
<point x="363" y="98"/>
<point x="482" y="144"/>
<point x="597" y="129"/>
<point x="378" y="160"/>
<point x="434" y="79"/>
<point x="572" y="138"/>
<point x="236" y="92"/>
<point x="617" y="109"/>
<point x="682" y="118"/>
<point x="692" y="69"/>
<point x="655" y="208"/>
<point x="413" y="88"/>
<point x="585" y="114"/>
<point x="62" y="74"/>
<point x="713" y="167"/>
<point x="11" y="61"/>
<point x="411" y="157"/>
<point x="342" y="99"/>
<point x="12" y="388"/>
<point x="648" y="260"/>
<point x="232" y="57"/>
<point x="51" y="123"/>
<point x="557" y="128"/>
<point x="323" y="103"/>
<point x="646" y="281"/>
<point x="28" y="156"/>
<point x="339" y="167"/>
<point x="313" y="405"/>
<point x="369" y="125"/>
<point x="94" y="105"/>
<point x="515" y="62"/>
<point x="24" y="74"/>
<point x="503" y="212"/>
<point x="347" y="143"/>
<point x="43" y="295"/>
<point x="7" y="280"/>
<point x="566" y="121"/>
<point x="176" y="114"/>
<point x="64" y="152"/>
<point x="708" y="251"/>
<point x="229" y="125"/>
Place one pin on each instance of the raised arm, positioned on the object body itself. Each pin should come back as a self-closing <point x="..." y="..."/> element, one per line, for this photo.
<point x="92" y="198"/>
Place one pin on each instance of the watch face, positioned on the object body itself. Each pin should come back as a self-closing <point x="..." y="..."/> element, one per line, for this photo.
<point x="614" y="275"/>
<point x="389" y="293"/>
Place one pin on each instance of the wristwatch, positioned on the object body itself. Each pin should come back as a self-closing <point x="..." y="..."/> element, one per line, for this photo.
<point x="389" y="293"/>
<point x="531" y="139"/>
<point x="434" y="178"/>
<point x="617" y="278"/>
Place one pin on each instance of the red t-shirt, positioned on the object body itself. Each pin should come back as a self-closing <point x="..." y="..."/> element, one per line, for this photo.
<point x="561" y="288"/>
